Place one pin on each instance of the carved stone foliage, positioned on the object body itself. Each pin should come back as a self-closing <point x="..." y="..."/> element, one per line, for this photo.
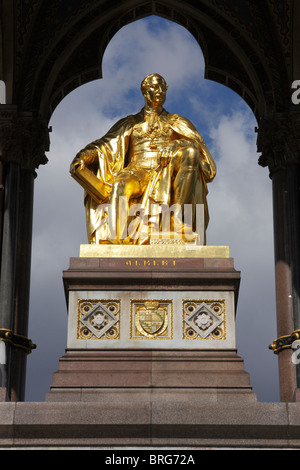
<point x="279" y="141"/>
<point x="23" y="140"/>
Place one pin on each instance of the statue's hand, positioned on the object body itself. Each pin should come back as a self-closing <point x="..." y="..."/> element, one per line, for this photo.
<point x="81" y="159"/>
<point x="76" y="163"/>
<point x="165" y="156"/>
<point x="167" y="152"/>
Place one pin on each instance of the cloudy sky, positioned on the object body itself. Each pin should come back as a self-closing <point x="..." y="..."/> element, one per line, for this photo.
<point x="239" y="198"/>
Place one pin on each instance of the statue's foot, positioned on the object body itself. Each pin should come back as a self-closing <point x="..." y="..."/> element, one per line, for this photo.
<point x="189" y="236"/>
<point x="185" y="230"/>
<point x="179" y="227"/>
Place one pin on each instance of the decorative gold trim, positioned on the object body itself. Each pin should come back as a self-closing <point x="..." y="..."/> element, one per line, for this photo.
<point x="163" y="313"/>
<point x="172" y="238"/>
<point x="17" y="341"/>
<point x="284" y="342"/>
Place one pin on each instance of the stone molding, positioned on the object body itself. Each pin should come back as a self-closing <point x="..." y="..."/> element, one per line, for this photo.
<point x="97" y="425"/>
<point x="24" y="139"/>
<point x="279" y="141"/>
<point x="184" y="376"/>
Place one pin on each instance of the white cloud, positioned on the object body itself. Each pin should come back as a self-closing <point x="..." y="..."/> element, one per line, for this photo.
<point x="135" y="52"/>
<point x="241" y="193"/>
<point x="240" y="201"/>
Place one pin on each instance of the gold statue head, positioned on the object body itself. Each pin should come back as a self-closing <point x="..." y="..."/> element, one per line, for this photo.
<point x="154" y="88"/>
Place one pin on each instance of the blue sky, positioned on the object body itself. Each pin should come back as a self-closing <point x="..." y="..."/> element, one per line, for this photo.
<point x="240" y="198"/>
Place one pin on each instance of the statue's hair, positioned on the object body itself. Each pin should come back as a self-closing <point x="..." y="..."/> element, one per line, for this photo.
<point x="146" y="81"/>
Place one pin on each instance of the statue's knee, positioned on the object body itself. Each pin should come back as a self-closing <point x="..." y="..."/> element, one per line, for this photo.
<point x="126" y="186"/>
<point x="191" y="156"/>
<point x="119" y="187"/>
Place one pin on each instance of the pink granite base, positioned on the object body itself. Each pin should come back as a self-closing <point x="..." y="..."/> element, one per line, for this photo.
<point x="159" y="375"/>
<point x="154" y="426"/>
<point x="2" y="394"/>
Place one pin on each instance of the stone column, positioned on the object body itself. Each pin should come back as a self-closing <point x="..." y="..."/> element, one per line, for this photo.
<point x="279" y="142"/>
<point x="23" y="141"/>
<point x="8" y="264"/>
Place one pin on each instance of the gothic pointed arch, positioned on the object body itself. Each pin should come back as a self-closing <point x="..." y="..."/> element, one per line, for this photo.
<point x="246" y="46"/>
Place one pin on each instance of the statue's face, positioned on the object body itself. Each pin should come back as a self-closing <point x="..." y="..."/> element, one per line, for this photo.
<point x="155" y="93"/>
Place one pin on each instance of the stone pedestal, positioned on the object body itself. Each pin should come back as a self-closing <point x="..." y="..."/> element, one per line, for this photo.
<point x="151" y="323"/>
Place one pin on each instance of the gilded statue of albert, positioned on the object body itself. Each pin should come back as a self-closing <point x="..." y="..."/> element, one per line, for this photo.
<point x="153" y="159"/>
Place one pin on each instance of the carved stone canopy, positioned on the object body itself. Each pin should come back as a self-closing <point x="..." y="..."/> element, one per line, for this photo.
<point x="279" y="141"/>
<point x="247" y="45"/>
<point x="23" y="139"/>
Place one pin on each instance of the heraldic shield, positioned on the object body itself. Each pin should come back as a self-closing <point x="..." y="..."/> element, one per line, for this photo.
<point x="151" y="318"/>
